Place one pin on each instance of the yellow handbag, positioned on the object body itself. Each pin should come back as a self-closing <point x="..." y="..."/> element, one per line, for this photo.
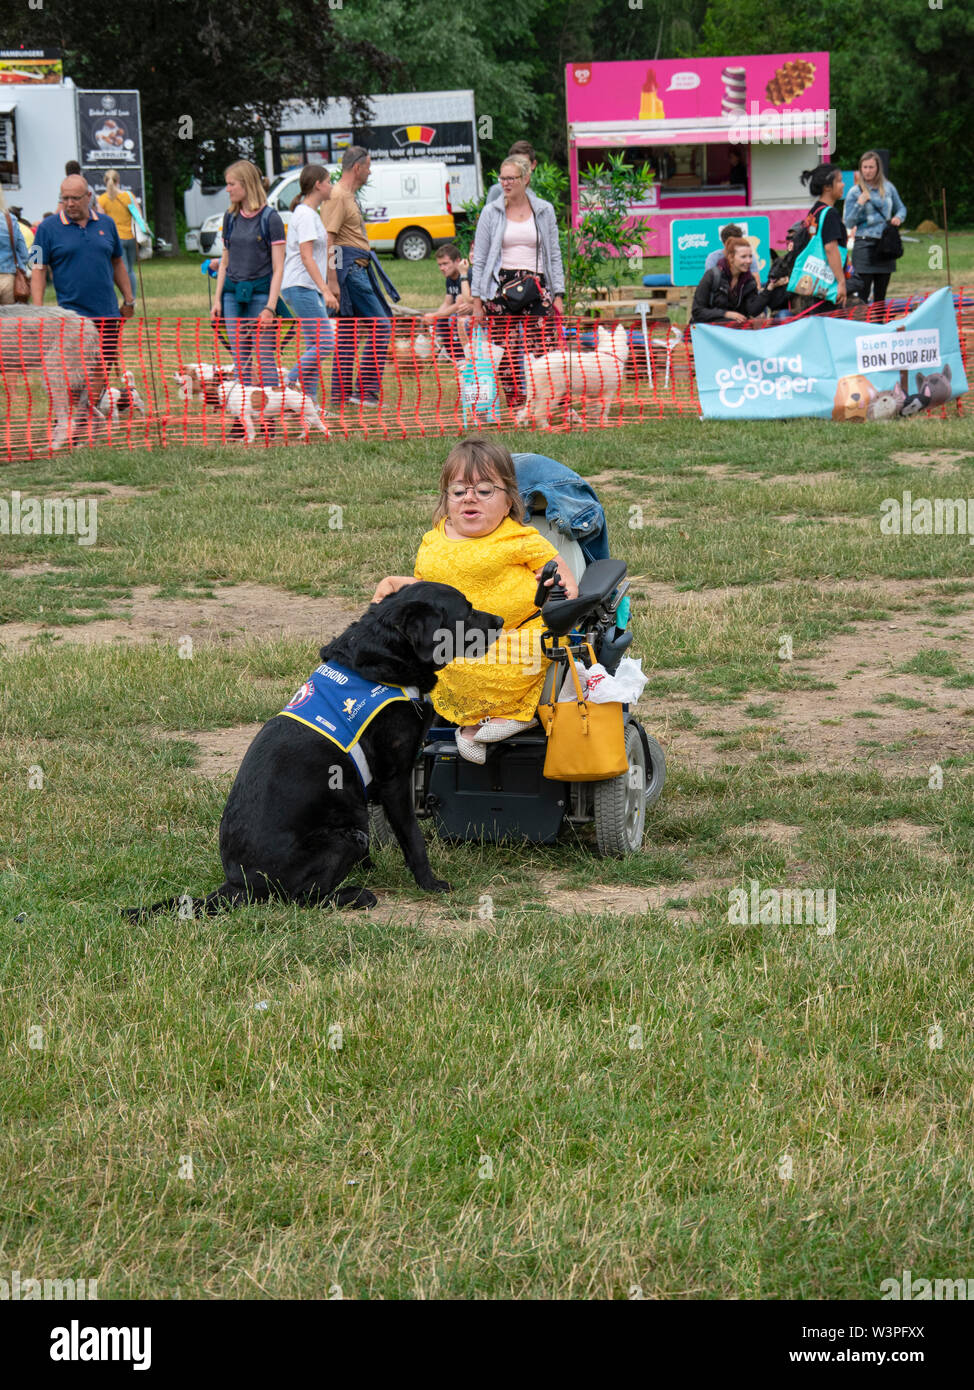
<point x="586" y="742"/>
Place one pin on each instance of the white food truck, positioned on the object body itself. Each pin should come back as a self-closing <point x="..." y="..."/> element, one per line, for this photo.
<point x="38" y="135"/>
<point x="405" y="127"/>
<point x="45" y="123"/>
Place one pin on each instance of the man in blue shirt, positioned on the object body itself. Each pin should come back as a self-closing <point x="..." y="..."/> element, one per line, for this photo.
<point x="85" y="255"/>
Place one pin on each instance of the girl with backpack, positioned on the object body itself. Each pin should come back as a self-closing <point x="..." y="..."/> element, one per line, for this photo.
<point x="871" y="204"/>
<point x="826" y="186"/>
<point x="248" y="282"/>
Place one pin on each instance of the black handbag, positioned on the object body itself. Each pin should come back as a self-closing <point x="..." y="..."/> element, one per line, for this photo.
<point x="518" y="294"/>
<point x="890" y="244"/>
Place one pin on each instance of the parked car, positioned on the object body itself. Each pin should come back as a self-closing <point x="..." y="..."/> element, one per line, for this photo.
<point x="406" y="205"/>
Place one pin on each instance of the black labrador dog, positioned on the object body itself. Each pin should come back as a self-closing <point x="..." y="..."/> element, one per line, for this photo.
<point x="296" y="820"/>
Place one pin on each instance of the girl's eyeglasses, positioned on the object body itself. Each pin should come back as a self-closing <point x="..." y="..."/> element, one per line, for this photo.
<point x="483" y="491"/>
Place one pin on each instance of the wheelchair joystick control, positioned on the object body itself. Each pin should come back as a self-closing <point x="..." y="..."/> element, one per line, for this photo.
<point x="555" y="591"/>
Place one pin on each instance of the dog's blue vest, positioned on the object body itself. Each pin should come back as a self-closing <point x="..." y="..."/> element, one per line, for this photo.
<point x="340" y="705"/>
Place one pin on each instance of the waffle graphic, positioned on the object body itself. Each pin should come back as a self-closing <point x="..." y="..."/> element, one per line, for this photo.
<point x="790" y="81"/>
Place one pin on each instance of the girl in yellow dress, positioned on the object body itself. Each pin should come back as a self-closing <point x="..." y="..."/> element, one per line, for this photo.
<point x="480" y="545"/>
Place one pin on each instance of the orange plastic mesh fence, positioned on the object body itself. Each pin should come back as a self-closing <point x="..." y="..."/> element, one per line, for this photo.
<point x="152" y="383"/>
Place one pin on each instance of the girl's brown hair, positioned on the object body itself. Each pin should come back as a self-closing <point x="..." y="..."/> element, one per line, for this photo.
<point x="310" y="175"/>
<point x="477" y="458"/>
<point x="249" y="175"/>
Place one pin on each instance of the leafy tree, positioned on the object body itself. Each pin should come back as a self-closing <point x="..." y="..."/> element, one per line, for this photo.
<point x="514" y="56"/>
<point x="898" y="78"/>
<point x="607" y="241"/>
<point x="208" y="75"/>
<point x="442" y="47"/>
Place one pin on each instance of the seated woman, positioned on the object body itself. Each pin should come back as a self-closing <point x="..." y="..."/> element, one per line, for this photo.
<point x="729" y="293"/>
<point x="480" y="545"/>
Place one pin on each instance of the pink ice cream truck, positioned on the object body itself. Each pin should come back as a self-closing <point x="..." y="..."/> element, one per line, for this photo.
<point x="724" y="137"/>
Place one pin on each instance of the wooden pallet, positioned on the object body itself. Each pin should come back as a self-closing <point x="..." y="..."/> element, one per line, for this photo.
<point x="621" y="301"/>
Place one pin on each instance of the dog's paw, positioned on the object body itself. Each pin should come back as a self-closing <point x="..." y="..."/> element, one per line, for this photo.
<point x="354" y="897"/>
<point x="437" y="885"/>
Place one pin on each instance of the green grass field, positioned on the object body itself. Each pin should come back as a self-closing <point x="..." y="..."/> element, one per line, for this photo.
<point x="571" y="1077"/>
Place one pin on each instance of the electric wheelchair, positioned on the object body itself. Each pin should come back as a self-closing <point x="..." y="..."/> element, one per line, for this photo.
<point x="508" y="798"/>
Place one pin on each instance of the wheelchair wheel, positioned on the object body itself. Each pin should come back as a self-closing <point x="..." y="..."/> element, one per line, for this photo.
<point x="381" y="832"/>
<point x="656" y="772"/>
<point x="619" y="805"/>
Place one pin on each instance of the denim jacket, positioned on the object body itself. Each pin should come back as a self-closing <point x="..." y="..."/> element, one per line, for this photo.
<point x="11" y="257"/>
<point x="870" y="219"/>
<point x="345" y="258"/>
<point x="572" y="505"/>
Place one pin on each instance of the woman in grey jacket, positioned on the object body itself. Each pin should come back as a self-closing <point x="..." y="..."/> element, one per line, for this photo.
<point x="517" y="241"/>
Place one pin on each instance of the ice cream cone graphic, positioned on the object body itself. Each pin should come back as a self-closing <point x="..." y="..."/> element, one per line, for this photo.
<point x="650" y="104"/>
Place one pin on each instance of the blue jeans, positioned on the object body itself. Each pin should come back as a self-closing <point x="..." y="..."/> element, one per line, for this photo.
<point x="243" y="333"/>
<point x="370" y="328"/>
<point x="308" y="306"/>
<point x="130" y="250"/>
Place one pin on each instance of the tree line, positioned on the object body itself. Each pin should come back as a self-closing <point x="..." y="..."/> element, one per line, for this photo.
<point x="900" y="71"/>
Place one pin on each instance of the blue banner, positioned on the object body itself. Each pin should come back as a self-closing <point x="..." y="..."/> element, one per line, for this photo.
<point x="831" y="368"/>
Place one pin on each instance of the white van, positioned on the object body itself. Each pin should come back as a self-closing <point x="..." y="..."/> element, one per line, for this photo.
<point x="406" y="205"/>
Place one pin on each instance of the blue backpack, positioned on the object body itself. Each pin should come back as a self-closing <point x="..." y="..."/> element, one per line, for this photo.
<point x="263" y="223"/>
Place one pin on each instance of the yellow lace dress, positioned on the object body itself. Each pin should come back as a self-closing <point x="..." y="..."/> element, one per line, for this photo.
<point x="495" y="573"/>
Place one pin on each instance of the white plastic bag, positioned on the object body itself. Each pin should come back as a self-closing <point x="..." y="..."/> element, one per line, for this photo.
<point x="624" y="688"/>
<point x="568" y="685"/>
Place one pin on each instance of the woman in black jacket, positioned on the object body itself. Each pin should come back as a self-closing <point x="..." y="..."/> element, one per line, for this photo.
<point x="729" y="293"/>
